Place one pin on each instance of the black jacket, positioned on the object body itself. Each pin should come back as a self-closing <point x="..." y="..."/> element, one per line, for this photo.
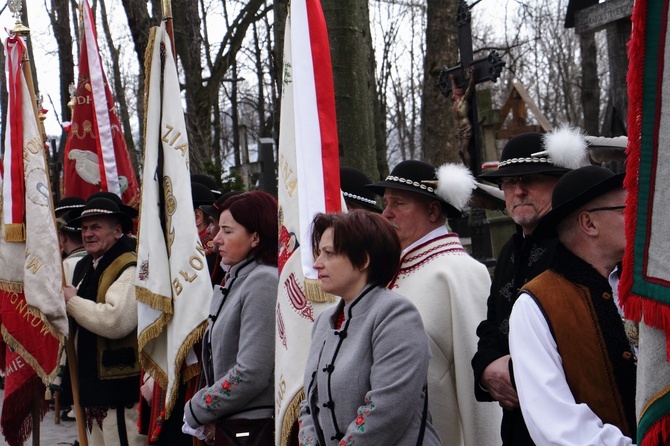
<point x="521" y="259"/>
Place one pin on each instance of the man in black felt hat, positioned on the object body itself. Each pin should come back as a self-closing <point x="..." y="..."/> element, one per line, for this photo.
<point x="72" y="247"/>
<point x="447" y="286"/>
<point x="104" y="307"/>
<point x="527" y="177"/>
<point x="356" y="195"/>
<point x="573" y="361"/>
<point x="203" y="196"/>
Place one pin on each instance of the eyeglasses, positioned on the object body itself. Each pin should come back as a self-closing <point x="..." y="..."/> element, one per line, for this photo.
<point x="510" y="183"/>
<point x="607" y="208"/>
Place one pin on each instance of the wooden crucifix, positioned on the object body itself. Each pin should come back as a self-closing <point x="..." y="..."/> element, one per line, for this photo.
<point x="458" y="83"/>
<point x="590" y="16"/>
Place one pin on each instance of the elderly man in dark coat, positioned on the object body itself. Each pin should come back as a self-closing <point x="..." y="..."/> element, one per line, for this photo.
<point x="102" y="303"/>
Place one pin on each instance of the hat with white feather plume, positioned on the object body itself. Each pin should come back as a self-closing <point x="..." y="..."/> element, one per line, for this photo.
<point x="553" y="153"/>
<point x="451" y="184"/>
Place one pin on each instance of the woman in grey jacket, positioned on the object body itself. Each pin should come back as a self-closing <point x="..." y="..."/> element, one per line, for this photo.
<point x="238" y="346"/>
<point x="366" y="373"/>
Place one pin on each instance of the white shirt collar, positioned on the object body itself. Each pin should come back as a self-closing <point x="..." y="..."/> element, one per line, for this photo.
<point x="437" y="232"/>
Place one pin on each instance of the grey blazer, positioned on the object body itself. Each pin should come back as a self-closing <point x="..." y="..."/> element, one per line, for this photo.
<point x="365" y="382"/>
<point x="239" y="367"/>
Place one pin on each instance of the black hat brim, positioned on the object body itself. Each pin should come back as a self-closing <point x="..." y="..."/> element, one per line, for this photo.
<point x="548" y="223"/>
<point x="210" y="210"/>
<point x="125" y="219"/>
<point x="516" y="170"/>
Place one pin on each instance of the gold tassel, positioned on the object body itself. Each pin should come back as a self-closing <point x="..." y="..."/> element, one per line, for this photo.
<point x="15" y="232"/>
<point x="291" y="417"/>
<point x="314" y="292"/>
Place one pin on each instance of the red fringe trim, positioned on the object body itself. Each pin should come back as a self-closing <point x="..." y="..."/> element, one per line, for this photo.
<point x="17" y="419"/>
<point x="634" y="78"/>
<point x="658" y="434"/>
<point x="636" y="308"/>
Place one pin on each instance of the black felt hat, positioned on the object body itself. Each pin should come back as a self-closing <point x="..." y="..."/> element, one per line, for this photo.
<point x="575" y="189"/>
<point x="214" y="210"/>
<point x="131" y="211"/>
<point x="66" y="204"/>
<point x="415" y="176"/>
<point x="201" y="195"/>
<point x="208" y="181"/>
<point x="352" y="183"/>
<point x="517" y="159"/>
<point x="103" y="207"/>
<point x="64" y="220"/>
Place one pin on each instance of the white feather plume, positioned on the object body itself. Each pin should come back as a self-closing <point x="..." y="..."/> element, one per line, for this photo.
<point x="567" y="147"/>
<point x="455" y="184"/>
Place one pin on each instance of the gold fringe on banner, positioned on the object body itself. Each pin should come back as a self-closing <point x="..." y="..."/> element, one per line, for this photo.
<point x="291" y="417"/>
<point x="11" y="287"/>
<point x="155" y="301"/>
<point x="15" y="232"/>
<point x="47" y="378"/>
<point x="152" y="332"/>
<point x="191" y="339"/>
<point x="154" y="370"/>
<point x="190" y="372"/>
<point x="148" y="53"/>
<point x="314" y="292"/>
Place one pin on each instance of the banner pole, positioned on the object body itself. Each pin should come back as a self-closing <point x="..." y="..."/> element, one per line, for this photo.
<point x="36" y="421"/>
<point x="167" y="16"/>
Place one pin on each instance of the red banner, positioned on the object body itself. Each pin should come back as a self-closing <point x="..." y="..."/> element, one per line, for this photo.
<point x="22" y="388"/>
<point x="96" y="157"/>
<point x="24" y="330"/>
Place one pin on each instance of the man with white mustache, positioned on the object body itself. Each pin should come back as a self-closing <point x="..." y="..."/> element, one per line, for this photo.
<point x="527" y="175"/>
<point x="447" y="286"/>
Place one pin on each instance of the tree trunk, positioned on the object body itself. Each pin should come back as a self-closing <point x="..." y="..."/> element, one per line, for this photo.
<point x="590" y="86"/>
<point x="349" y="32"/>
<point x="378" y="116"/>
<point x="280" y="14"/>
<point x="439" y="140"/>
<point x="618" y="35"/>
<point x="140" y="23"/>
<point x="59" y="17"/>
<point x="120" y="92"/>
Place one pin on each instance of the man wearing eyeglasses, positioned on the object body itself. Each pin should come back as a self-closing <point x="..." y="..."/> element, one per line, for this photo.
<point x="574" y="362"/>
<point x="527" y="180"/>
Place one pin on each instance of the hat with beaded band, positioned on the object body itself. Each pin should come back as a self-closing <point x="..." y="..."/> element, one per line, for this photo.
<point x="554" y="153"/>
<point x="451" y="184"/>
<point x="352" y="183"/>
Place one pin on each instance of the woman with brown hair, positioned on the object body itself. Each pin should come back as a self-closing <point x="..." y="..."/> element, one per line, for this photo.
<point x="365" y="379"/>
<point x="238" y="346"/>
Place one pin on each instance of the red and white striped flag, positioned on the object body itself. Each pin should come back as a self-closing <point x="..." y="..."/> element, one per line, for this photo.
<point x="34" y="317"/>
<point x="309" y="183"/>
<point x="96" y="157"/>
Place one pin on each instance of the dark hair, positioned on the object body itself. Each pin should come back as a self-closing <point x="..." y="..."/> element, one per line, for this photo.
<point x="257" y="212"/>
<point x="358" y="235"/>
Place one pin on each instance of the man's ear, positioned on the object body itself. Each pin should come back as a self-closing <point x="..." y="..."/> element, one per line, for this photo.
<point x="434" y="210"/>
<point x="199" y="217"/>
<point x="586" y="224"/>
